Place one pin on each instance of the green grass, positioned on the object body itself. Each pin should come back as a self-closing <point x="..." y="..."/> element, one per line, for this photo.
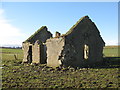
<point x="17" y="75"/>
<point x="8" y="54"/>
<point x="111" y="51"/>
<point x="10" y="50"/>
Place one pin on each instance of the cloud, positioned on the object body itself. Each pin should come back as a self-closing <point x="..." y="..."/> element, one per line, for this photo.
<point x="9" y="34"/>
<point x="1" y="11"/>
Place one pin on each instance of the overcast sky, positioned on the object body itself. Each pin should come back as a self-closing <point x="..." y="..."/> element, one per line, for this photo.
<point x="18" y="20"/>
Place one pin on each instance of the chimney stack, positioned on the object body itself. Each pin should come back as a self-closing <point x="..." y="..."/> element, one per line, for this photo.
<point x="57" y="34"/>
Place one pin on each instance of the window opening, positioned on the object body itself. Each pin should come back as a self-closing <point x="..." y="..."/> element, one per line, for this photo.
<point x="86" y="51"/>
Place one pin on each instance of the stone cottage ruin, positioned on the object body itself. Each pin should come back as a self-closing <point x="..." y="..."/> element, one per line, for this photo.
<point x="82" y="45"/>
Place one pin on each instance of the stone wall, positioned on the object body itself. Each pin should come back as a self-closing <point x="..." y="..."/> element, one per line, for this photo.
<point x="36" y="52"/>
<point x="42" y="35"/>
<point x="86" y="33"/>
<point x="39" y="53"/>
<point x="25" y="48"/>
<point x="71" y="51"/>
<point x="81" y="46"/>
<point x="54" y="49"/>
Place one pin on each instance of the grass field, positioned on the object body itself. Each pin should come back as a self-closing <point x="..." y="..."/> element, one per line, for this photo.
<point x="17" y="75"/>
<point x="111" y="51"/>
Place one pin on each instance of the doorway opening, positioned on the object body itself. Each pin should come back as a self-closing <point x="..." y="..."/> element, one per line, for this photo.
<point x="43" y="54"/>
<point x="30" y="54"/>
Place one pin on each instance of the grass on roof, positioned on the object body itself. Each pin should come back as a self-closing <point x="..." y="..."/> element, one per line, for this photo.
<point x="35" y="33"/>
<point x="71" y="29"/>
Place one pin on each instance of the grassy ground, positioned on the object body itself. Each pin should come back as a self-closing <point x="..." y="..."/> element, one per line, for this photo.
<point x="9" y="54"/>
<point x="111" y="51"/>
<point x="17" y="75"/>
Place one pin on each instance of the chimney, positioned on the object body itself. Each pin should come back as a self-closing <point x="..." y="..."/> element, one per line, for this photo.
<point x="57" y="34"/>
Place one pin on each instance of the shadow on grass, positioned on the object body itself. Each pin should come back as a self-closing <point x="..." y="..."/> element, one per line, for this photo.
<point x="108" y="62"/>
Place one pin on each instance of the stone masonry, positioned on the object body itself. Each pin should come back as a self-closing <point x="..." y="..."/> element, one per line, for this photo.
<point x="81" y="46"/>
<point x="34" y="49"/>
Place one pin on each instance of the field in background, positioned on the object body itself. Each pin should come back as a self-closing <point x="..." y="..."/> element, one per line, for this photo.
<point x="111" y="51"/>
<point x="9" y="54"/>
<point x="17" y="75"/>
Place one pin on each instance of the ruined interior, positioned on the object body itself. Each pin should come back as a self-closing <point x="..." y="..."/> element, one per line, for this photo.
<point x="29" y="57"/>
<point x="34" y="47"/>
<point x="82" y="45"/>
